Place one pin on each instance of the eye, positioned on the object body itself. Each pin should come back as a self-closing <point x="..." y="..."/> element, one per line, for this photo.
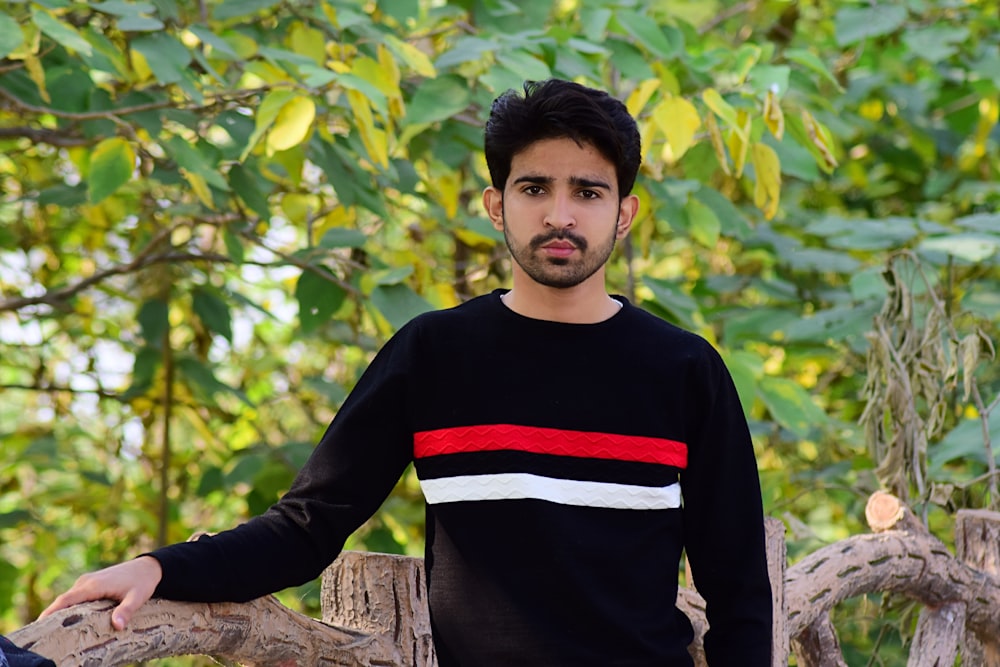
<point x="533" y="190"/>
<point x="589" y="194"/>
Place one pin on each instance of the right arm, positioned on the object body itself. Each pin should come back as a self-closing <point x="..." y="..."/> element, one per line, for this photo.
<point x="348" y="475"/>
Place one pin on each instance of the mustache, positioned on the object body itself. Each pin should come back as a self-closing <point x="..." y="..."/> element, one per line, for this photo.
<point x="558" y="235"/>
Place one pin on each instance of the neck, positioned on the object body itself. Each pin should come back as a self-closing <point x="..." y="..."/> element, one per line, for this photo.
<point x="586" y="303"/>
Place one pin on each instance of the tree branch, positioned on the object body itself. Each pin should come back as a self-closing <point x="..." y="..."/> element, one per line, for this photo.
<point x="39" y="136"/>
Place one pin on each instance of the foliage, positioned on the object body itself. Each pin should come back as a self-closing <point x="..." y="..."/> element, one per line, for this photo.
<point x="212" y="214"/>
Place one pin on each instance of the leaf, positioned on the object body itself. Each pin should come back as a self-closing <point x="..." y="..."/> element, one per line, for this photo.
<point x="414" y="58"/>
<point x="111" y="166"/>
<point x="319" y="298"/>
<point x="791" y="406"/>
<point x="674" y="301"/>
<point x="245" y="185"/>
<point x="373" y="138"/>
<point x="61" y="33"/>
<point x="152" y="319"/>
<point x="773" y="116"/>
<point x="232" y="9"/>
<point x="648" y="33"/>
<point x="970" y="247"/>
<point x="718" y="145"/>
<point x="167" y="58"/>
<point x="213" y="312"/>
<point x="398" y="304"/>
<point x="199" y="186"/>
<point x="854" y="24"/>
<point x="267" y="113"/>
<point x="292" y="124"/>
<point x="678" y="119"/>
<point x="121" y="8"/>
<point x="527" y="66"/>
<point x="767" y="171"/>
<point x="820" y="141"/>
<point x="340" y="237"/>
<point x="713" y="100"/>
<point x="11" y="35"/>
<point x="703" y="223"/>
<point x="438" y="99"/>
<point x="811" y="61"/>
<point x="139" y="24"/>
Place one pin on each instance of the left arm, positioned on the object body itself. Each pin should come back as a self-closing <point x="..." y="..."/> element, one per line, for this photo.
<point x="724" y="522"/>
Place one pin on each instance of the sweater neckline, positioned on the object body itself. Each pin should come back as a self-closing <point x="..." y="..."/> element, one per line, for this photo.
<point x="496" y="301"/>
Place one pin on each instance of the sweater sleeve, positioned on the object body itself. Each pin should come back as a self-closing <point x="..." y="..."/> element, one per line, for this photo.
<point x="352" y="470"/>
<point x="724" y="523"/>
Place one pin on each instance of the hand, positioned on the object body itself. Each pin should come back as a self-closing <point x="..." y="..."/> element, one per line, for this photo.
<point x="131" y="583"/>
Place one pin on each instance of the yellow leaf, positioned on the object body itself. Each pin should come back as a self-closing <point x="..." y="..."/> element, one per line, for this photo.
<point x="774" y="118"/>
<point x="668" y="80"/>
<point x="449" y="188"/>
<point x="140" y="66"/>
<point x="374" y="139"/>
<point x="739" y="142"/>
<point x="299" y="208"/>
<point x="715" y="135"/>
<point x="375" y="74"/>
<point x="713" y="100"/>
<point x="37" y="74"/>
<point x="414" y="58"/>
<point x="292" y="125"/>
<point x="820" y="138"/>
<point x="308" y="41"/>
<point x="678" y="119"/>
<point x="636" y="102"/>
<point x="200" y="187"/>
<point x="767" y="191"/>
<point x="388" y="63"/>
<point x="340" y="216"/>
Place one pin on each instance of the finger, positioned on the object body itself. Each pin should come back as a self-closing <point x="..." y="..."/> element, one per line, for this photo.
<point x="67" y="599"/>
<point x="123" y="613"/>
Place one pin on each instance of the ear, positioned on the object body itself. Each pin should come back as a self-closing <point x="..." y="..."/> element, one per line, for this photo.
<point x="493" y="203"/>
<point x="626" y="214"/>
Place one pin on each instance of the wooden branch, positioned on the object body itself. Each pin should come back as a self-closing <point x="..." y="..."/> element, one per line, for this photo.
<point x="939" y="631"/>
<point x="818" y="645"/>
<point x="915" y="565"/>
<point x="260" y="633"/>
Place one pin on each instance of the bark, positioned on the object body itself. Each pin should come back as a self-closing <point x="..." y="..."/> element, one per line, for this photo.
<point x="939" y="630"/>
<point x="818" y="645"/>
<point x="259" y="633"/>
<point x="977" y="543"/>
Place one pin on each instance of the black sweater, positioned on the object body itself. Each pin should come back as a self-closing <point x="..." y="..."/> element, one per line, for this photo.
<point x="565" y="467"/>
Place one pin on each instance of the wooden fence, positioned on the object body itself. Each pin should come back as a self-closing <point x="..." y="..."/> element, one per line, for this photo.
<point x="374" y="607"/>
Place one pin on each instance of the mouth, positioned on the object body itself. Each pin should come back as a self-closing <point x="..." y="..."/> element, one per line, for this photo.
<point x="559" y="249"/>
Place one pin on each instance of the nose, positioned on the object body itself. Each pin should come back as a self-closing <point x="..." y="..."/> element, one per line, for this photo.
<point x="560" y="214"/>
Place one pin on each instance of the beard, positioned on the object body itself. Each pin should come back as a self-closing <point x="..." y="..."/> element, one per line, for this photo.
<point x="559" y="272"/>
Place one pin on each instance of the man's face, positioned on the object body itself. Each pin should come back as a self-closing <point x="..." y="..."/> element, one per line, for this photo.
<point x="560" y="212"/>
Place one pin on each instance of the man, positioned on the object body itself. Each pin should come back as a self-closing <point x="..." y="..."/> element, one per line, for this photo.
<point x="569" y="445"/>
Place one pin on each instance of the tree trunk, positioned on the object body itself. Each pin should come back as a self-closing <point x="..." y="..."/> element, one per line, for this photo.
<point x="977" y="544"/>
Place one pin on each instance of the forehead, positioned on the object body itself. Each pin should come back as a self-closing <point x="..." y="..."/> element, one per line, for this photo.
<point x="561" y="159"/>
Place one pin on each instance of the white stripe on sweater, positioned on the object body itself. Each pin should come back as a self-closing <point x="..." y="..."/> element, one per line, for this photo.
<point x="516" y="486"/>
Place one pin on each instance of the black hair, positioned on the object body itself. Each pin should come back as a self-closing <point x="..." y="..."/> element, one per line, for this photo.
<point x="554" y="109"/>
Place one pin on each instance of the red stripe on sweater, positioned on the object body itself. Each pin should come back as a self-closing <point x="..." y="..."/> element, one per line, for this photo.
<point x="557" y="442"/>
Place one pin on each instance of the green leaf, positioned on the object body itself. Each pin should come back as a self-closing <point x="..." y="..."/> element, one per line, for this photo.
<point x="525" y="65"/>
<point x="220" y="47"/>
<point x="663" y="43"/>
<point x="166" y="56"/>
<point x="812" y="62"/>
<point x="970" y="247"/>
<point x="232" y="9"/>
<point x="11" y="36"/>
<point x="153" y="320"/>
<point x="201" y="378"/>
<point x="139" y="24"/>
<point x="674" y="301"/>
<point x="13" y="519"/>
<point x="244" y="183"/>
<point x="197" y="159"/>
<point x="247" y="467"/>
<point x="398" y="304"/>
<point x="704" y="225"/>
<point x="61" y="33"/>
<point x="438" y="99"/>
<point x="213" y="312"/>
<point x="732" y="222"/>
<point x="340" y="237"/>
<point x="791" y="406"/>
<point x="121" y="8"/>
<point x="318" y="299"/>
<point x="937" y="42"/>
<point x="854" y="24"/>
<point x="111" y="166"/>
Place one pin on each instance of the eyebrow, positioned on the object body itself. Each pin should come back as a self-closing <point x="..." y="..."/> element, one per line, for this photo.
<point x="578" y="181"/>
